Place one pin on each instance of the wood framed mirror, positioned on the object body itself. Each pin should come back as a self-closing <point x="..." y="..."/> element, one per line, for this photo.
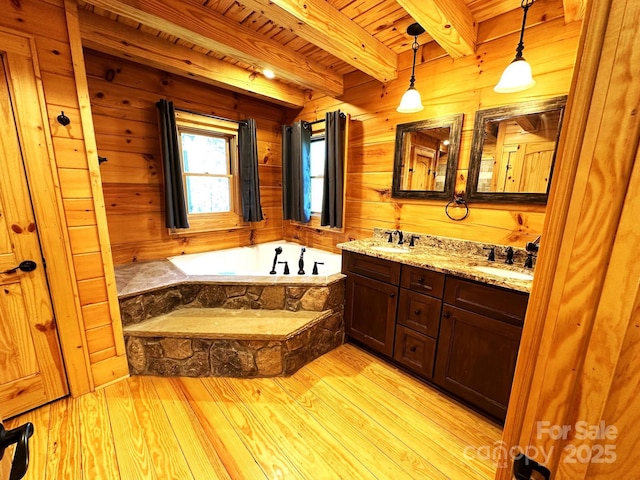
<point x="513" y="152"/>
<point x="426" y="158"/>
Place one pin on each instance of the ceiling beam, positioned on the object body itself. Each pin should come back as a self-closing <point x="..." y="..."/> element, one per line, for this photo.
<point x="449" y="22"/>
<point x="574" y="10"/>
<point x="318" y="22"/>
<point x="108" y="36"/>
<point x="192" y="22"/>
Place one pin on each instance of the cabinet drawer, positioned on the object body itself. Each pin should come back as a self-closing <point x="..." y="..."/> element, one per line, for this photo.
<point x="423" y="281"/>
<point x="419" y="312"/>
<point x="415" y="351"/>
<point x="506" y="305"/>
<point x="372" y="267"/>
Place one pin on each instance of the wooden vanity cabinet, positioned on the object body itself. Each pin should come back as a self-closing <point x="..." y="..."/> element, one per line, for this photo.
<point x="371" y="300"/>
<point x="480" y="333"/>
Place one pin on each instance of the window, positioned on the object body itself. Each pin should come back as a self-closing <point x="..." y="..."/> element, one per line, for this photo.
<point x="209" y="151"/>
<point x="316" y="167"/>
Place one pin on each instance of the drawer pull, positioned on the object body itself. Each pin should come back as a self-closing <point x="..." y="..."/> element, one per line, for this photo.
<point x="417" y="311"/>
<point x="420" y="280"/>
<point x="413" y="348"/>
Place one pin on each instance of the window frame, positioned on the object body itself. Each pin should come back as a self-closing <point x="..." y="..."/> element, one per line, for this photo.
<point x="192" y="123"/>
<point x="317" y="137"/>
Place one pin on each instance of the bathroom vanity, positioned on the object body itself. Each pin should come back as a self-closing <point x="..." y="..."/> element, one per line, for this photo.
<point x="461" y="334"/>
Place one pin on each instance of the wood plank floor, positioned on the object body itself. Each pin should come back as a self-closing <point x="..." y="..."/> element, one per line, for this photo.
<point x="345" y="415"/>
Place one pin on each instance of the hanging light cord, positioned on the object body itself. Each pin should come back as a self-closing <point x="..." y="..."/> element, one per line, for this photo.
<point x="413" y="69"/>
<point x="525" y="6"/>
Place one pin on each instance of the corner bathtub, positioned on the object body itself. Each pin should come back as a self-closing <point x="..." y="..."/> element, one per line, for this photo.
<point x="257" y="261"/>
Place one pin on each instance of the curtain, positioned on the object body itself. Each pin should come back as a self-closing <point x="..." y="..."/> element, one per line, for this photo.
<point x="249" y="181"/>
<point x="332" y="198"/>
<point x="174" y="197"/>
<point x="296" y="172"/>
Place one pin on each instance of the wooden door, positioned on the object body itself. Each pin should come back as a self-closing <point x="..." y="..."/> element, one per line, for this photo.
<point x="31" y="368"/>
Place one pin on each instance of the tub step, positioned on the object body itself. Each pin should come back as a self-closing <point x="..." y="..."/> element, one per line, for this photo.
<point x="238" y="343"/>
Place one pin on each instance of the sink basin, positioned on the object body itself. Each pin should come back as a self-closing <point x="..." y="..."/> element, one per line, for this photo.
<point x="503" y="272"/>
<point x="389" y="249"/>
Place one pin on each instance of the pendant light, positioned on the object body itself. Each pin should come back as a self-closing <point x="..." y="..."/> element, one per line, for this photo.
<point x="411" y="101"/>
<point x="517" y="76"/>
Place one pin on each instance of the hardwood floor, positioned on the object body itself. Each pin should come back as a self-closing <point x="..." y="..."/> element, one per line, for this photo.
<point x="345" y="415"/>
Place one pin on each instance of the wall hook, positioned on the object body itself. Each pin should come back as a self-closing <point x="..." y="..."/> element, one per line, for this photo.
<point x="63" y="119"/>
<point x="101" y="160"/>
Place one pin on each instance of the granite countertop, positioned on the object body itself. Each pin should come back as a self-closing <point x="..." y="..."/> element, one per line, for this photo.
<point x="456" y="258"/>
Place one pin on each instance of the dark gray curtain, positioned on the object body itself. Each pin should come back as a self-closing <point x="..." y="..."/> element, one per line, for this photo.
<point x="249" y="181"/>
<point x="296" y="173"/>
<point x="332" y="198"/>
<point x="174" y="197"/>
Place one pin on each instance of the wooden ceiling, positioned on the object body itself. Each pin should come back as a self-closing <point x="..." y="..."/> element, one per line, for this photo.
<point x="309" y="44"/>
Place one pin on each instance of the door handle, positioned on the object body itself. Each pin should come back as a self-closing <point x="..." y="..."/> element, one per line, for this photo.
<point x="25" y="266"/>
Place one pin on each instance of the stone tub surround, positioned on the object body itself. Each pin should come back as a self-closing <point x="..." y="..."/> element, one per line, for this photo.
<point x="446" y="255"/>
<point x="140" y="277"/>
<point x="159" y="347"/>
<point x="295" y="320"/>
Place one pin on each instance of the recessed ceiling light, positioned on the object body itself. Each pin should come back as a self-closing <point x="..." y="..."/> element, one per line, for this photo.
<point x="268" y="73"/>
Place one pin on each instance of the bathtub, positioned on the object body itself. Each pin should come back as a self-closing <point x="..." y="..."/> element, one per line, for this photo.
<point x="257" y="261"/>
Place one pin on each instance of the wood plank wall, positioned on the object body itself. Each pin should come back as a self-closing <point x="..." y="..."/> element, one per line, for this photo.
<point x="123" y="97"/>
<point x="448" y="87"/>
<point x="46" y="22"/>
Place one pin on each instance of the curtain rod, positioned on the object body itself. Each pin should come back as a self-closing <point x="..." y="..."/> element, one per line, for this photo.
<point x="215" y="117"/>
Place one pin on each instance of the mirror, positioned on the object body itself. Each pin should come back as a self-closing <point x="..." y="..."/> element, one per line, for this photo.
<point x="513" y="152"/>
<point x="426" y="158"/>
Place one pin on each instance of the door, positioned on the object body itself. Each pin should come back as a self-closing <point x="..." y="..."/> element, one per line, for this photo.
<point x="31" y="368"/>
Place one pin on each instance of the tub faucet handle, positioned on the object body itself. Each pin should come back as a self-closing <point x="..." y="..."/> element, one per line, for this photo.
<point x="286" y="267"/>
<point x="315" y="267"/>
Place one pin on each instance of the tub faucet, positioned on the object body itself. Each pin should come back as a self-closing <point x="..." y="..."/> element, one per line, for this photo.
<point x="301" y="262"/>
<point x="315" y="267"/>
<point x="275" y="260"/>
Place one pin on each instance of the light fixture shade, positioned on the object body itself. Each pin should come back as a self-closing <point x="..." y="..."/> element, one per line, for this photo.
<point x="411" y="102"/>
<point x="515" y="78"/>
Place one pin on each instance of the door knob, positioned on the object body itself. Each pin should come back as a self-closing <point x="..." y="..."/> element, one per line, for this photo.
<point x="25" y="266"/>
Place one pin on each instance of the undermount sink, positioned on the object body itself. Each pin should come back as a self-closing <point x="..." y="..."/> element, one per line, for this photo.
<point x="503" y="272"/>
<point x="389" y="249"/>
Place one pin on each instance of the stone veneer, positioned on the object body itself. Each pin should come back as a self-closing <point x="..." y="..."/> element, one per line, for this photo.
<point x="197" y="357"/>
<point x="240" y="357"/>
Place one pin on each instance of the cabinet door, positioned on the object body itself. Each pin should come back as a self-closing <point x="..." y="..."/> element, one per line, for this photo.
<point x="476" y="358"/>
<point x="415" y="351"/>
<point x="370" y="312"/>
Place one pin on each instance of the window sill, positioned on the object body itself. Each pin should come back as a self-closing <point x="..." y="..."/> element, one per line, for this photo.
<point x="314" y="224"/>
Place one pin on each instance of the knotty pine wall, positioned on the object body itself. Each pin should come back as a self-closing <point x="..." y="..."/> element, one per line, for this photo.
<point x="448" y="87"/>
<point x="46" y="23"/>
<point x="123" y="97"/>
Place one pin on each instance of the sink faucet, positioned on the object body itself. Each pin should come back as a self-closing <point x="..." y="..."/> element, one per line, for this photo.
<point x="509" y="260"/>
<point x="534" y="246"/>
<point x="400" y="237"/>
